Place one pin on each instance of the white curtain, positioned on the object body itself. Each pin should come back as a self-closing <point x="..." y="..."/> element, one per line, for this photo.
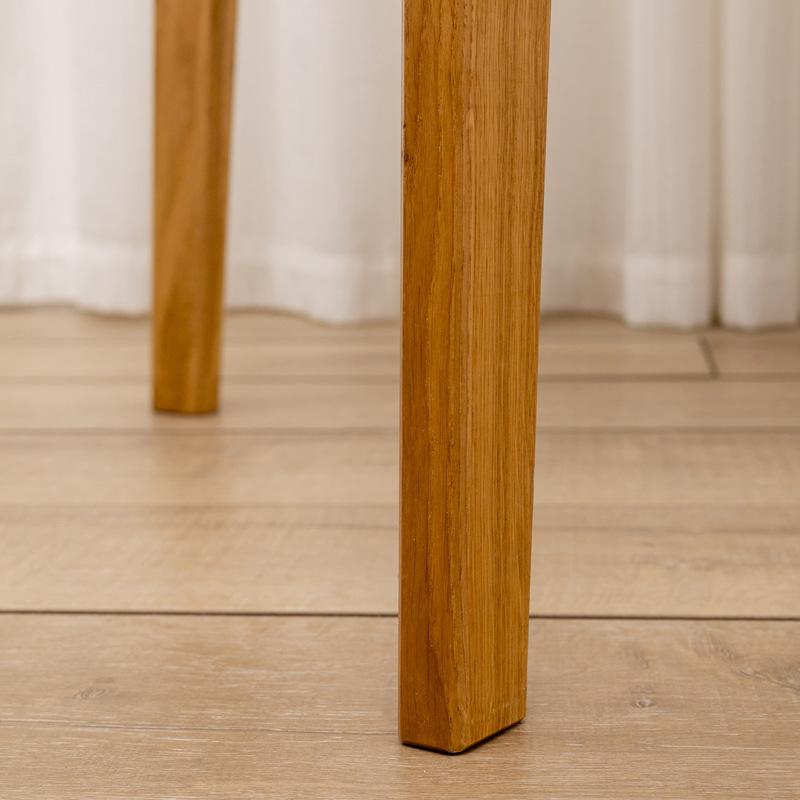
<point x="673" y="184"/>
<point x="674" y="161"/>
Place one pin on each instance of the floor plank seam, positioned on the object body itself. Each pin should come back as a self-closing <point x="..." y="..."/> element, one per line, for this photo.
<point x="305" y="433"/>
<point x="365" y="380"/>
<point x="377" y="615"/>
<point x="9" y="721"/>
<point x="708" y="355"/>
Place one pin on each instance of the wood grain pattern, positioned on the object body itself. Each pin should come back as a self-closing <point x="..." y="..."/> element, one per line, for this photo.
<point x="149" y="708"/>
<point x="475" y="120"/>
<point x="194" y="65"/>
<point x="344" y="560"/>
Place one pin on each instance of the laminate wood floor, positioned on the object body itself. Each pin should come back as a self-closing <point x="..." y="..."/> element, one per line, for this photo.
<point x="206" y="607"/>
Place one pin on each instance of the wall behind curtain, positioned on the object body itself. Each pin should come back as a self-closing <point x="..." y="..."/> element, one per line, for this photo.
<point x="673" y="184"/>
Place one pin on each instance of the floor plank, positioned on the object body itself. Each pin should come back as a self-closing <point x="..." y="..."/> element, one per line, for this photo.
<point x="613" y="712"/>
<point x="22" y="326"/>
<point x="661" y="493"/>
<point x="344" y="561"/>
<point x="566" y="324"/>
<point x="572" y="469"/>
<point x="776" y="352"/>
<point x="235" y="559"/>
<point x="266" y="327"/>
<point x="766" y="353"/>
<point x="658" y="573"/>
<point x="374" y="405"/>
<point x="298" y="359"/>
<point x="631" y="356"/>
<point x="678" y="405"/>
<point x="26" y="324"/>
<point x="301" y="405"/>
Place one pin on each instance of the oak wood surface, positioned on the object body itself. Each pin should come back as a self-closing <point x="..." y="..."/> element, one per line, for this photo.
<point x="194" y="66"/>
<point x="473" y="183"/>
<point x="304" y="708"/>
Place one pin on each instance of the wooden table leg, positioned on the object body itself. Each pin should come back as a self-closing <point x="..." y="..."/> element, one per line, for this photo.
<point x="475" y="118"/>
<point x="194" y="58"/>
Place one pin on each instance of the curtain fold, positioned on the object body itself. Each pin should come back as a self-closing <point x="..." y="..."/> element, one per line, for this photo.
<point x="760" y="276"/>
<point x="673" y="176"/>
<point x="75" y="152"/>
<point x="315" y="206"/>
<point x="667" y="263"/>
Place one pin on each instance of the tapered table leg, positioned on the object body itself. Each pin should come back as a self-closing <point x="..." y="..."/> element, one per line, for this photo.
<point x="475" y="118"/>
<point x="194" y="57"/>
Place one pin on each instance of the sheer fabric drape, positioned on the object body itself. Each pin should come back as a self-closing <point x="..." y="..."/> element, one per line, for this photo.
<point x="673" y="186"/>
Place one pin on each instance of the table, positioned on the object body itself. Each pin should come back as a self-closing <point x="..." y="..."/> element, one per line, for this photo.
<point x="474" y="124"/>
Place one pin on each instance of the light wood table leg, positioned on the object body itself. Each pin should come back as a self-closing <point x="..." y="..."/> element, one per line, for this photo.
<point x="194" y="58"/>
<point x="475" y="118"/>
